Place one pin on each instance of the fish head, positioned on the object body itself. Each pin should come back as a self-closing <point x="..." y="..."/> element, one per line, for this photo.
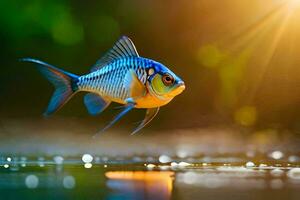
<point x="164" y="83"/>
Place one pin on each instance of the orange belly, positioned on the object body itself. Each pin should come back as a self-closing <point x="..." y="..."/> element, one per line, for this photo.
<point x="150" y="101"/>
<point x="147" y="101"/>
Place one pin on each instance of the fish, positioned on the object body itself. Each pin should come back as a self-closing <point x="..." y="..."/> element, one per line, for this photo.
<point x="120" y="76"/>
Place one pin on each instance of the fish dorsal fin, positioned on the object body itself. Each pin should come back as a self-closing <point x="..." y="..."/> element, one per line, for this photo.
<point x="123" y="48"/>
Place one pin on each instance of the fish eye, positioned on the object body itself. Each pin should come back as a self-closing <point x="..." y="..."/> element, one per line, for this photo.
<point x="167" y="79"/>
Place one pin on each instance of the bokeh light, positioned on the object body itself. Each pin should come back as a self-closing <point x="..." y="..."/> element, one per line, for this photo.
<point x="87" y="158"/>
<point x="32" y="181"/>
<point x="69" y="182"/>
<point x="246" y="116"/>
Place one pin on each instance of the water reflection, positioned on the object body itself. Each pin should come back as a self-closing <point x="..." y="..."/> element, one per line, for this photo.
<point x="139" y="185"/>
<point x="223" y="177"/>
<point x="180" y="179"/>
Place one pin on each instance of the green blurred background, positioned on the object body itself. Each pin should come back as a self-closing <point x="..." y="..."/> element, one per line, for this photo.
<point x="239" y="58"/>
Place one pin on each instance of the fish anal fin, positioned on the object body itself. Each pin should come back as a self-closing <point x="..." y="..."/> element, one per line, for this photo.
<point x="134" y="85"/>
<point x="150" y="114"/>
<point x="123" y="48"/>
<point x="95" y="104"/>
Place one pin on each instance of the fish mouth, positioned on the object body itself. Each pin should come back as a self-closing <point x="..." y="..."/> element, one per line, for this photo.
<point x="181" y="86"/>
<point x="179" y="89"/>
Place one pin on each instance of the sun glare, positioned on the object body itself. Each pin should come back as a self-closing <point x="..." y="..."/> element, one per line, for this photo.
<point x="293" y="4"/>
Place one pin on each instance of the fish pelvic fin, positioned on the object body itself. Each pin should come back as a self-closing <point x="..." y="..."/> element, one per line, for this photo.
<point x="64" y="82"/>
<point x="95" y="104"/>
<point x="128" y="107"/>
<point x="150" y="114"/>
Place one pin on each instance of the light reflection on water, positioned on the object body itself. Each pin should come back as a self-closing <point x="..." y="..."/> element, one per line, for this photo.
<point x="140" y="184"/>
<point x="90" y="178"/>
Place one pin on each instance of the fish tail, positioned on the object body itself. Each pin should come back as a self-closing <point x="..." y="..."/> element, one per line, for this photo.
<point x="64" y="82"/>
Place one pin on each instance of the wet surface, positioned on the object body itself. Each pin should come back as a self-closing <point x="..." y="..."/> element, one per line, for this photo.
<point x="59" y="159"/>
<point x="95" y="177"/>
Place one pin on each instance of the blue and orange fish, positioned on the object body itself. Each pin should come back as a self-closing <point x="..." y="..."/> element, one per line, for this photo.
<point x="121" y="76"/>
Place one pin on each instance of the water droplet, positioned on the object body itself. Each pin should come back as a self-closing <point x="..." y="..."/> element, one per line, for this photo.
<point x="277" y="155"/>
<point x="87" y="158"/>
<point x="174" y="164"/>
<point x="164" y="159"/>
<point x="150" y="166"/>
<point x="250" y="164"/>
<point x="183" y="164"/>
<point x="58" y="160"/>
<point x="88" y="165"/>
<point x="262" y="165"/>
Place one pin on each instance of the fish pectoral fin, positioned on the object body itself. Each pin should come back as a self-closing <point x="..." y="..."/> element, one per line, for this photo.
<point x="134" y="85"/>
<point x="95" y="104"/>
<point x="150" y="114"/>
<point x="127" y="108"/>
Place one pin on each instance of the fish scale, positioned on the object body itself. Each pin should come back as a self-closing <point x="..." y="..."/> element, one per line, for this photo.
<point x="110" y="79"/>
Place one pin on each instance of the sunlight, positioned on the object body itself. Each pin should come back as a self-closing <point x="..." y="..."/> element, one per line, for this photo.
<point x="293" y="4"/>
<point x="266" y="35"/>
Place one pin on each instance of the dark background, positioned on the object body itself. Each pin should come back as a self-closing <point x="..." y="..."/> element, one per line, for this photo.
<point x="239" y="59"/>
